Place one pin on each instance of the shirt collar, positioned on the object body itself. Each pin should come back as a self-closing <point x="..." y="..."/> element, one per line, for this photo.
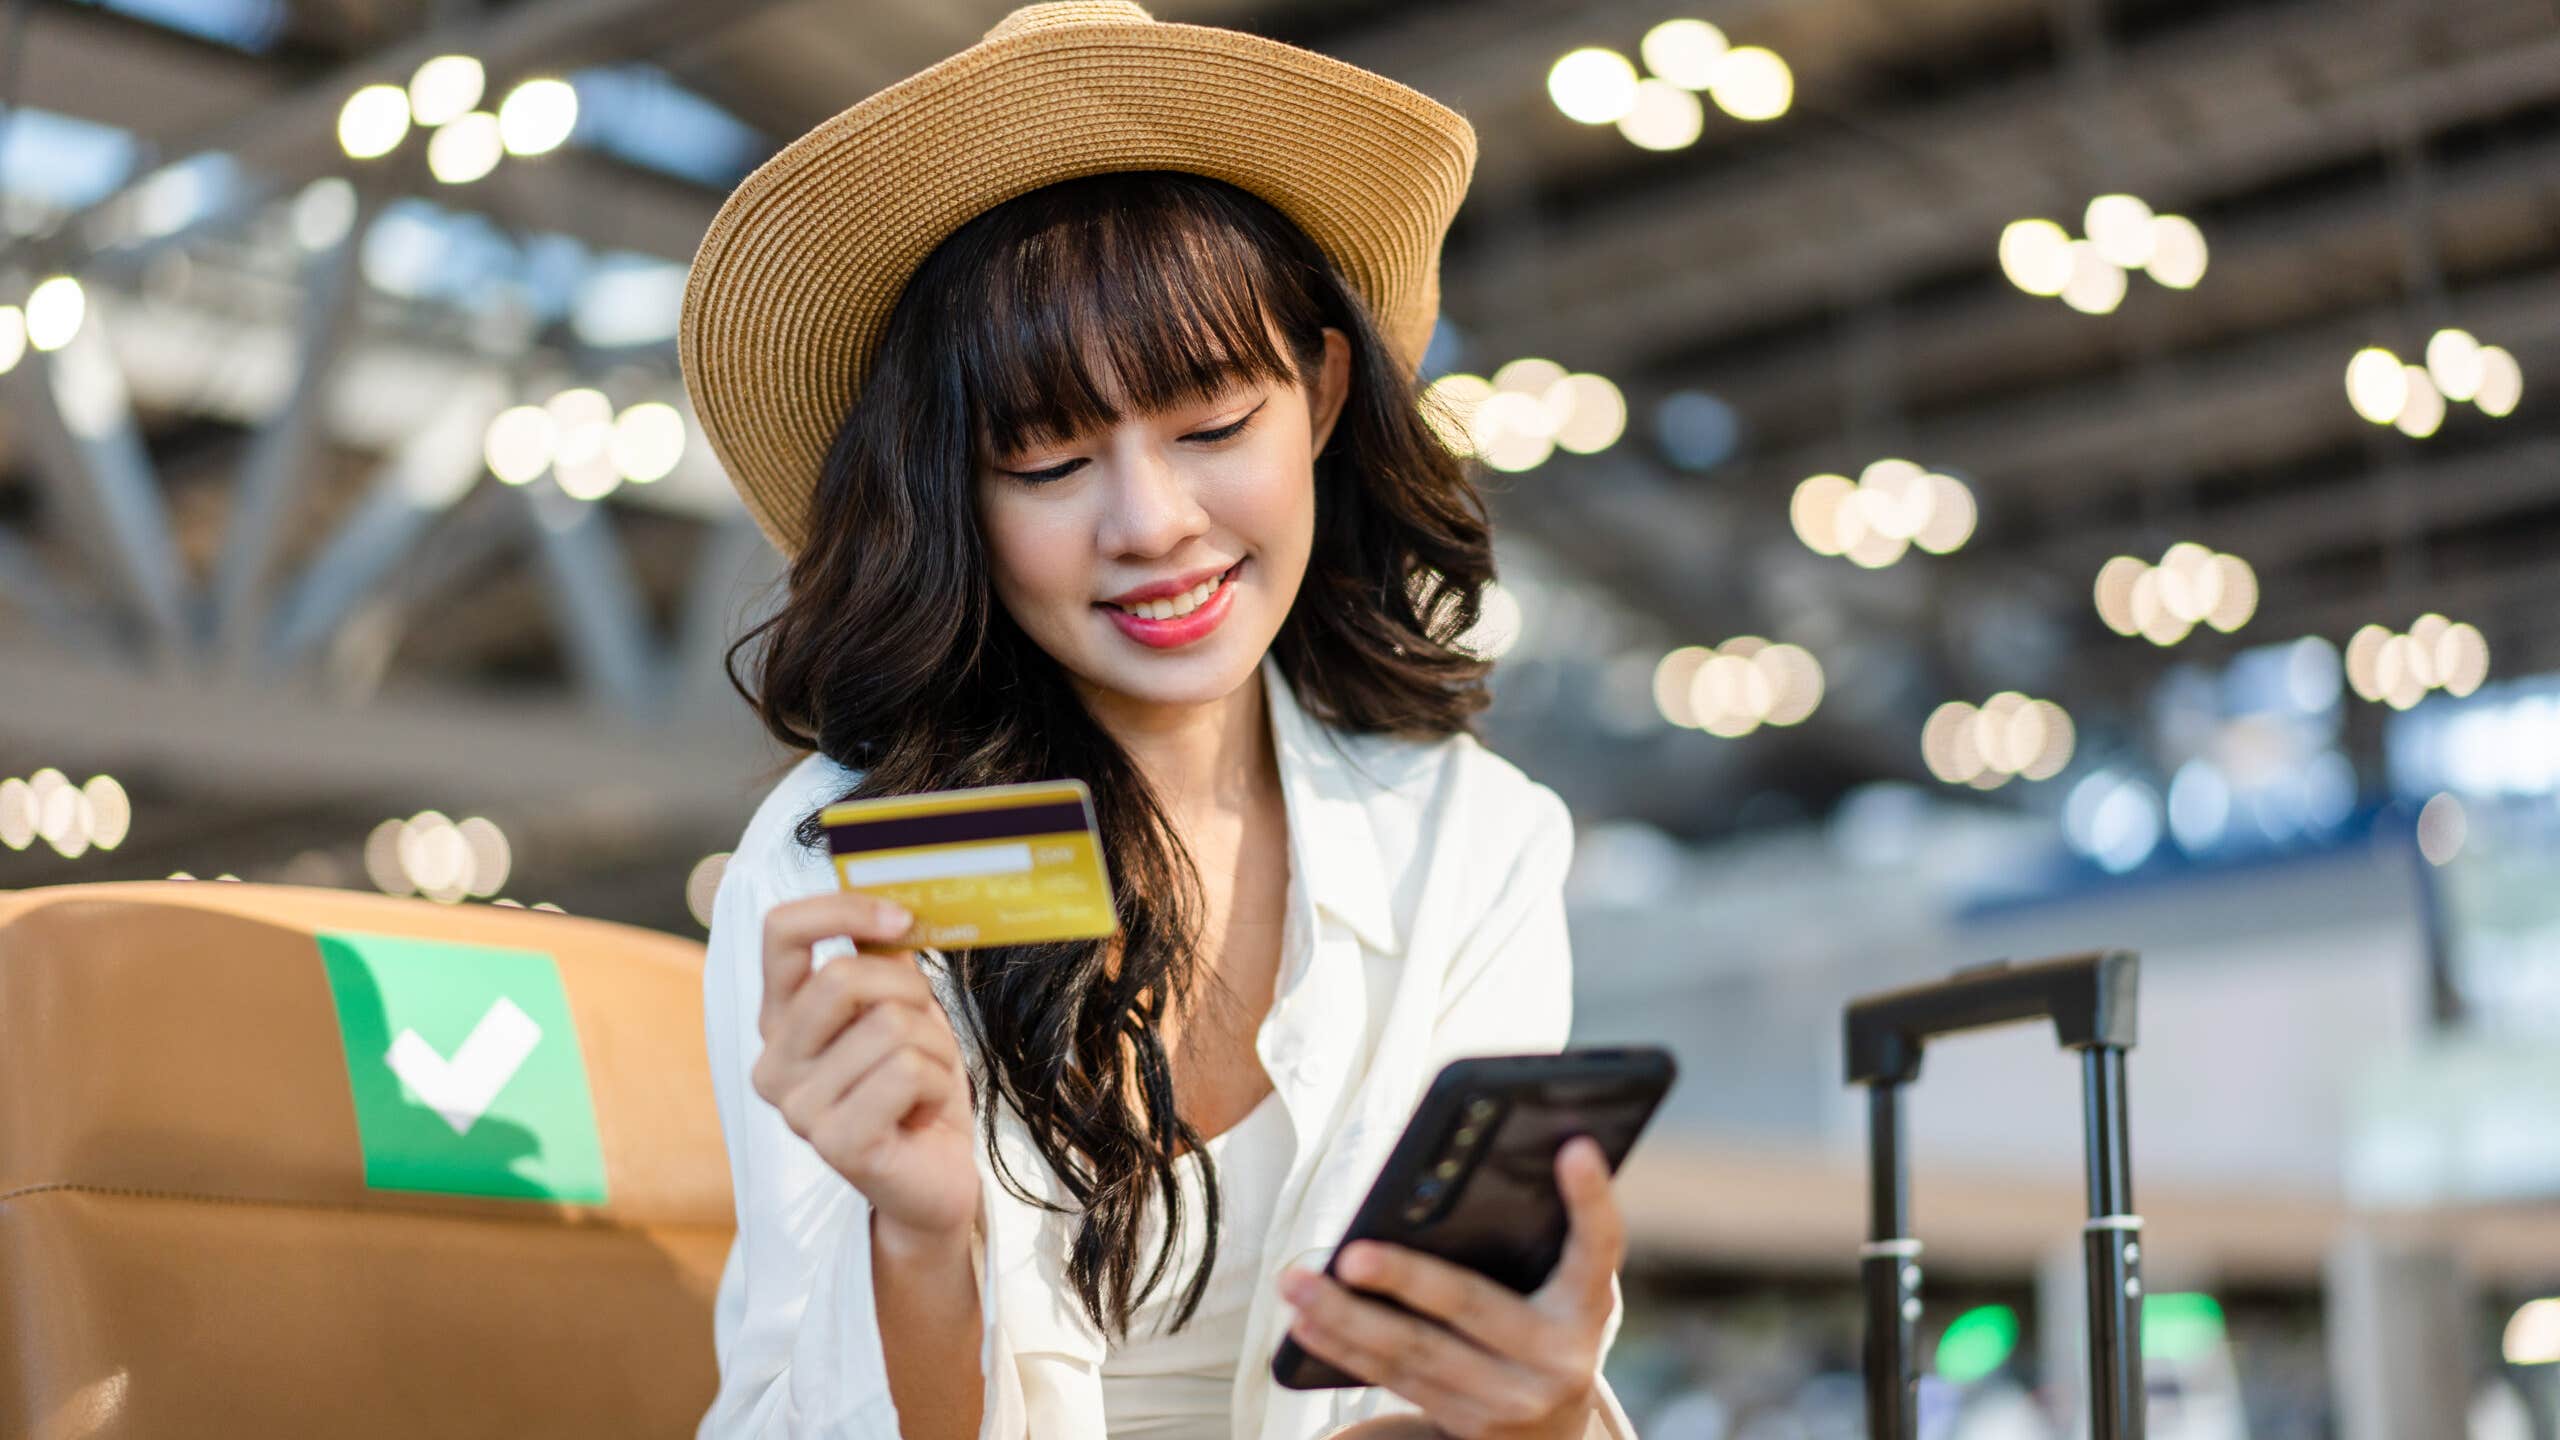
<point x="1333" y="842"/>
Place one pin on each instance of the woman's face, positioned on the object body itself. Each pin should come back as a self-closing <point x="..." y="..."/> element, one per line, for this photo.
<point x="1157" y="559"/>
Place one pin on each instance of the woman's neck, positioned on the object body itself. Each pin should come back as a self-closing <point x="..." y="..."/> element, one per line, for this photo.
<point x="1200" y="759"/>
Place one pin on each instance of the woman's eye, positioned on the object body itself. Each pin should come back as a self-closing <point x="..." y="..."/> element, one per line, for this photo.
<point x="1066" y="468"/>
<point x="1225" y="432"/>
<point x="1043" y="477"/>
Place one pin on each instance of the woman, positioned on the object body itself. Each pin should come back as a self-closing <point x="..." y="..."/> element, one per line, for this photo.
<point x="1136" y="490"/>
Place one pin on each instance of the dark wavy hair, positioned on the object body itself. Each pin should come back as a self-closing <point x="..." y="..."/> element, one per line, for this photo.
<point x="892" y="655"/>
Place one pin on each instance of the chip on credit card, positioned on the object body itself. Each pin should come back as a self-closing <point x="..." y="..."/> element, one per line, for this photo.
<point x="997" y="865"/>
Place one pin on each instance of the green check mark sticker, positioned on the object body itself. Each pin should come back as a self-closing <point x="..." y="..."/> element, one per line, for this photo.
<point x="464" y="1067"/>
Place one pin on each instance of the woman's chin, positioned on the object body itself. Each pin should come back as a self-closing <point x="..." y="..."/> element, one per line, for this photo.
<point x="1201" y="673"/>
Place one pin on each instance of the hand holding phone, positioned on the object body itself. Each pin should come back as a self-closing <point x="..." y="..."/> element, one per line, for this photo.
<point x="1475" y="1279"/>
<point x="1478" y="1357"/>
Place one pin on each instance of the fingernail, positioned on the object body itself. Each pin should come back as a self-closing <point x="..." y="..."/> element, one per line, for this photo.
<point x="1294" y="1284"/>
<point x="1359" y="1262"/>
<point x="898" y="915"/>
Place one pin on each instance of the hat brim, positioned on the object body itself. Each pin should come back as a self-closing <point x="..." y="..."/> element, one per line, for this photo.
<point x="797" y="275"/>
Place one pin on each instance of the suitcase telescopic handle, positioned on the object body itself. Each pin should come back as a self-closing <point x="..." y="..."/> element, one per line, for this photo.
<point x="2090" y="999"/>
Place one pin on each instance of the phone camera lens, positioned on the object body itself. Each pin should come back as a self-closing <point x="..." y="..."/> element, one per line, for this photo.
<point x="1479" y="1110"/>
<point x="1429" y="1189"/>
<point x="1468" y="1135"/>
<point x="1446" y="1169"/>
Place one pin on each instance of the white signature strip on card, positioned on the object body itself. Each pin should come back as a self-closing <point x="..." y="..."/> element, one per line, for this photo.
<point x="940" y="863"/>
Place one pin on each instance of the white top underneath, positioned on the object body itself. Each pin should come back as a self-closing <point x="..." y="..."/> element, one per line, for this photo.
<point x="1158" y="1385"/>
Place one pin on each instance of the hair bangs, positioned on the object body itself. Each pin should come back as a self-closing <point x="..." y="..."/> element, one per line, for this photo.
<point x="1091" y="314"/>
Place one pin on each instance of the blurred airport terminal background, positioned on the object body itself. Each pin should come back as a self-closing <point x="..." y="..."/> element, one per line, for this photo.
<point x="1976" y="478"/>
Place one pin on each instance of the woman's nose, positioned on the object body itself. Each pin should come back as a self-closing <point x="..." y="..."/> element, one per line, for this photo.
<point x="1153" y="510"/>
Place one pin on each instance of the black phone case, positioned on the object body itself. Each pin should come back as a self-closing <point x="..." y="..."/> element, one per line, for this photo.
<point x="1504" y="1219"/>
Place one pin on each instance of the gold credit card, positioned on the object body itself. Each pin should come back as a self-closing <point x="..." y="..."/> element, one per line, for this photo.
<point x="1000" y="865"/>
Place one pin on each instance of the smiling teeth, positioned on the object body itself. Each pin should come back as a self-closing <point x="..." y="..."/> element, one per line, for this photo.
<point x="1179" y="605"/>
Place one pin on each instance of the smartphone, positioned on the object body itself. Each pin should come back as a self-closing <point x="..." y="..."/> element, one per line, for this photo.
<point x="1473" y="1178"/>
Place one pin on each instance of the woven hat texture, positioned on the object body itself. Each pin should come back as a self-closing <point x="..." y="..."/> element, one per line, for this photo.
<point x="796" y="277"/>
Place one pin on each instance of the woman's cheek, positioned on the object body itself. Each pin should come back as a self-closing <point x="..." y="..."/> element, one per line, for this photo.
<point x="1274" y="501"/>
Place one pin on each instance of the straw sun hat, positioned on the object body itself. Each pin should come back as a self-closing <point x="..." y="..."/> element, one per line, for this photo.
<point x="795" y="280"/>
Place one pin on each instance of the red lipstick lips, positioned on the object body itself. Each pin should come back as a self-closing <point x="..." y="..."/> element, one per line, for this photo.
<point x="1180" y="630"/>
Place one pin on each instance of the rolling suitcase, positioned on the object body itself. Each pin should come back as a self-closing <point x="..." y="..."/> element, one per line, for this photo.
<point x="2090" y="1000"/>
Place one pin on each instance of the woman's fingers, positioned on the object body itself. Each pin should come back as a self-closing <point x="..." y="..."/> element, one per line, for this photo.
<point x="881" y="1102"/>
<point x="1502" y="1361"/>
<point x="883" y="1031"/>
<point x="1491" y="1314"/>
<point x="1414" y="1357"/>
<point x="831" y="1002"/>
<point x="794" y="926"/>
<point x="1595" y="1234"/>
<point x="837" y="995"/>
<point x="1441" y="1406"/>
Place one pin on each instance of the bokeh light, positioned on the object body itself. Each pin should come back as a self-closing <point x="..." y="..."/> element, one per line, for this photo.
<point x="431" y="855"/>
<point x="1732" y="689"/>
<point x="1531" y="408"/>
<point x="1665" y="117"/>
<point x="373" y="121"/>
<point x="55" y="310"/>
<point x="2036" y="256"/>
<point x="2422" y="406"/>
<point x="445" y="88"/>
<point x="2097" y="284"/>
<point x="465" y="149"/>
<point x="1753" y="83"/>
<point x="538" y="116"/>
<point x="1684" y="52"/>
<point x="702" y="885"/>
<point x="2192" y="585"/>
<point x="1893" y="505"/>
<point x="2501" y="382"/>
<point x="2453" y="363"/>
<point x="647" y="441"/>
<point x="2178" y="254"/>
<point x="2119" y="228"/>
<point x="2399" y="670"/>
<point x="1593" y="85"/>
<point x="2009" y="736"/>
<point x="2377" y="385"/>
<point x="2443" y="826"/>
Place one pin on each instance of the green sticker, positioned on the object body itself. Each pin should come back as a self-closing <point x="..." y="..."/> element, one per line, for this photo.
<point x="465" y="1069"/>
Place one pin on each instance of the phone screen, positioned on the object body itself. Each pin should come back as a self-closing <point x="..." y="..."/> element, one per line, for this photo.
<point x="1472" y="1180"/>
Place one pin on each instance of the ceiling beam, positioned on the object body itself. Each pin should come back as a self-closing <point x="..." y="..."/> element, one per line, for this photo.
<point x="1811" y="222"/>
<point x="182" y="99"/>
<point x="73" y="411"/>
<point x="2283" y="291"/>
<point x="409" y="746"/>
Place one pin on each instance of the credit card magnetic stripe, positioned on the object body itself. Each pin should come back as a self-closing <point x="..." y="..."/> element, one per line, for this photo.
<point x="899" y="832"/>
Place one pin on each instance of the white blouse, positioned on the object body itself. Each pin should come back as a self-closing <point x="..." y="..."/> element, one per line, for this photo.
<point x="1160" y="1383"/>
<point x="1427" y="922"/>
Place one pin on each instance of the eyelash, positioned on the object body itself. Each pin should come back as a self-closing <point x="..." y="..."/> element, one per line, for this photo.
<point x="1060" y="472"/>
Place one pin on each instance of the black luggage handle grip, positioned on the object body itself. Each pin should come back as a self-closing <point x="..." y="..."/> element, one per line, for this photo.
<point x="2089" y="998"/>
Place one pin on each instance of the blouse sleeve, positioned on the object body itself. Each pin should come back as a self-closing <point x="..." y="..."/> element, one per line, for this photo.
<point x="1510" y="986"/>
<point x="794" y="1327"/>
